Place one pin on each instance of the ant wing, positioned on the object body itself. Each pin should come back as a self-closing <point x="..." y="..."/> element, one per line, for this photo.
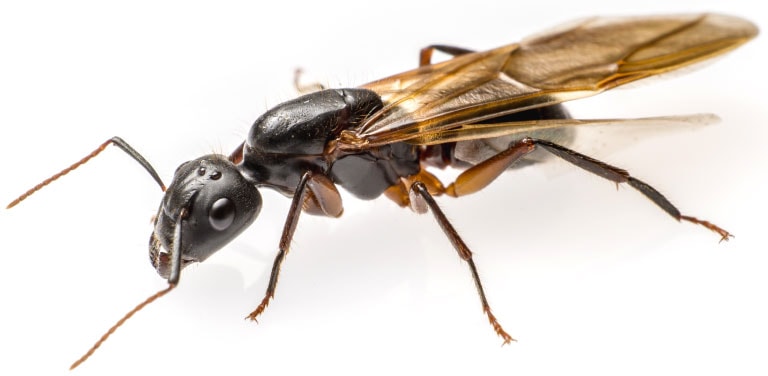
<point x="571" y="62"/>
<point x="524" y="128"/>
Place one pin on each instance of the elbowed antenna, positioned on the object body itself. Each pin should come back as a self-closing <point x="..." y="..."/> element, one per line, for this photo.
<point x="117" y="141"/>
<point x="173" y="281"/>
<point x="119" y="323"/>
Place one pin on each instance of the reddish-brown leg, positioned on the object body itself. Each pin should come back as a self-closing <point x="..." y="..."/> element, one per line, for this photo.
<point x="305" y="88"/>
<point x="421" y="201"/>
<point x="313" y="190"/>
<point x="482" y="174"/>
<point x="425" y="55"/>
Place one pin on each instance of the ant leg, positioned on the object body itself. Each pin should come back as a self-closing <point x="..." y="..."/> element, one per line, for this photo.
<point x="421" y="201"/>
<point x="400" y="192"/>
<point x="482" y="174"/>
<point x="312" y="192"/>
<point x="618" y="175"/>
<point x="303" y="88"/>
<point x="425" y="55"/>
<point x="237" y="155"/>
<point x="425" y="58"/>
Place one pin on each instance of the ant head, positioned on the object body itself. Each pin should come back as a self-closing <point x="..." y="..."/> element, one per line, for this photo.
<point x="207" y="205"/>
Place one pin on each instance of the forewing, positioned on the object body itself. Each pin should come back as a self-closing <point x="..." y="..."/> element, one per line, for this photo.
<point x="570" y="62"/>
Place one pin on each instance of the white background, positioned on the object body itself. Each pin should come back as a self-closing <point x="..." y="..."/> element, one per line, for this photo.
<point x="588" y="279"/>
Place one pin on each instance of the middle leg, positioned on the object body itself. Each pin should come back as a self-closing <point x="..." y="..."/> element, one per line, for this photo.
<point x="421" y="202"/>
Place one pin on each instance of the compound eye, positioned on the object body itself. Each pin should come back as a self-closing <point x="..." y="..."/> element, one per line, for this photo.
<point x="222" y="214"/>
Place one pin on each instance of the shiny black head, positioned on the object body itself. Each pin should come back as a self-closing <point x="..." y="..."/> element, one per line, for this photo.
<point x="215" y="203"/>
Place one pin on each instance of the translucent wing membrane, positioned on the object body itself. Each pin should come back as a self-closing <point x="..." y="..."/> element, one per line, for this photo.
<point x="571" y="62"/>
<point x="523" y="128"/>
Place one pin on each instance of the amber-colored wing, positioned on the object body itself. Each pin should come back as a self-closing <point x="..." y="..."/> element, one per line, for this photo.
<point x="573" y="61"/>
